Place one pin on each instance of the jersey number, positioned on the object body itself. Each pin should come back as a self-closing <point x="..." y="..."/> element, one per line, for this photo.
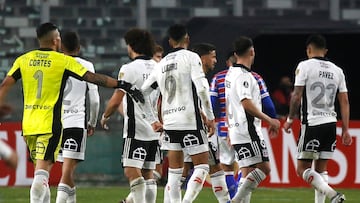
<point x="316" y="101"/>
<point x="38" y="75"/>
<point x="67" y="90"/>
<point x="170" y="87"/>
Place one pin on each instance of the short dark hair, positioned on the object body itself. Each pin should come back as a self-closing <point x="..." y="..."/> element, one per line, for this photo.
<point x="158" y="48"/>
<point x="203" y="48"/>
<point x="44" y="29"/>
<point x="177" y="32"/>
<point x="242" y="45"/>
<point x="141" y="41"/>
<point x="70" y="40"/>
<point x="316" y="40"/>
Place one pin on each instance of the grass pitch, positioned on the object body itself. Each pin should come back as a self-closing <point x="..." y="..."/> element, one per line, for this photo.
<point x="114" y="194"/>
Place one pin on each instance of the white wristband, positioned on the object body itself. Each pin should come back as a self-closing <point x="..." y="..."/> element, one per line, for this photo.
<point x="289" y="120"/>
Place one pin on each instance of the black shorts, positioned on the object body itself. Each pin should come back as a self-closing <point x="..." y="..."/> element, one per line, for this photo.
<point x="139" y="154"/>
<point x="317" y="142"/>
<point x="251" y="153"/>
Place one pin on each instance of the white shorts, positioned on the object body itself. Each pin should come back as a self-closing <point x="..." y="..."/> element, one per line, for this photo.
<point x="227" y="152"/>
<point x="189" y="141"/>
<point x="73" y="144"/>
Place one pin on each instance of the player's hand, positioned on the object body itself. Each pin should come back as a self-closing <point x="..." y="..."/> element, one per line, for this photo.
<point x="210" y="125"/>
<point x="346" y="138"/>
<point x="134" y="92"/>
<point x="5" y="109"/>
<point x="157" y="126"/>
<point x="274" y="126"/>
<point x="287" y="125"/>
<point x="90" y="130"/>
<point x="103" y="122"/>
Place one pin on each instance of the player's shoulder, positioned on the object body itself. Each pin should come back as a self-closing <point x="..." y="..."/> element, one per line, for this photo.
<point x="87" y="64"/>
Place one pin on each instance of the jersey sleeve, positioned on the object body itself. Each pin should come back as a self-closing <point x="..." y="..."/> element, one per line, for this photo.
<point x="214" y="97"/>
<point x="243" y="86"/>
<point x="15" y="70"/>
<point x="77" y="70"/>
<point x="342" y="85"/>
<point x="196" y="67"/>
<point x="300" y="75"/>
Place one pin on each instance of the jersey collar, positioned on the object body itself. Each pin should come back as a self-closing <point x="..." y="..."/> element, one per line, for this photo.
<point x="142" y="57"/>
<point x="45" y="49"/>
<point x="176" y="49"/>
<point x="320" y="58"/>
<point x="242" y="66"/>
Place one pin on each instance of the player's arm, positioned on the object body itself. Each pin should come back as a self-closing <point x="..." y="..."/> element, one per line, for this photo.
<point x="345" y="114"/>
<point x="8" y="154"/>
<point x="294" y="106"/>
<point x="269" y="107"/>
<point x="214" y="97"/>
<point x="111" y="107"/>
<point x="5" y="86"/>
<point x="94" y="100"/>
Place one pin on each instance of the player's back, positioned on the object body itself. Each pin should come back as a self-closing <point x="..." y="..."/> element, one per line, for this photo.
<point x="43" y="73"/>
<point x="322" y="80"/>
<point x="174" y="75"/>
<point x="74" y="98"/>
<point x="135" y="126"/>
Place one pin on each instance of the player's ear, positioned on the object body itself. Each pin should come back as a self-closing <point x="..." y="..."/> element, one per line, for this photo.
<point x="325" y="51"/>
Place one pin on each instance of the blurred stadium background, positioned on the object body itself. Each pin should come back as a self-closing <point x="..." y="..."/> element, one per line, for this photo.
<point x="279" y="29"/>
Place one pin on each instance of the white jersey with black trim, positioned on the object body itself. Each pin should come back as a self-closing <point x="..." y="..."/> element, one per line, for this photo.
<point x="74" y="100"/>
<point x="240" y="84"/>
<point x="135" y="124"/>
<point x="322" y="80"/>
<point x="181" y="80"/>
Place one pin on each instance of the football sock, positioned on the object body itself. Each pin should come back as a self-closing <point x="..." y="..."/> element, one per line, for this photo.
<point x="247" y="197"/>
<point x="252" y="180"/>
<point x="219" y="187"/>
<point x="72" y="196"/>
<point x="314" y="178"/>
<point x="157" y="175"/>
<point x="63" y="193"/>
<point x="47" y="196"/>
<point x="173" y="184"/>
<point x="231" y="183"/>
<point x="151" y="191"/>
<point x="138" y="187"/>
<point x="39" y="186"/>
<point x="196" y="182"/>
<point x="320" y="197"/>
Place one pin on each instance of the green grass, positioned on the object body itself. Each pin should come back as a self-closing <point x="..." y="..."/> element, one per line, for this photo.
<point x="114" y="194"/>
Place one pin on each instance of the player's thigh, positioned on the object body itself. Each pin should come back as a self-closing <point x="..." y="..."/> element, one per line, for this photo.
<point x="214" y="151"/>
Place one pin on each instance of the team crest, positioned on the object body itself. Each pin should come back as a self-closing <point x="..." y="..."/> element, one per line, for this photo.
<point x="246" y="84"/>
<point x="121" y="75"/>
<point x="297" y="71"/>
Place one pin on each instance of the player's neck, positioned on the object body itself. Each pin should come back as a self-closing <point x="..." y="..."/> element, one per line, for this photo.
<point x="244" y="62"/>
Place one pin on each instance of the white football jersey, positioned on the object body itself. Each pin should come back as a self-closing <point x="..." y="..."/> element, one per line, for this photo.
<point x="322" y="80"/>
<point x="179" y="76"/>
<point x="240" y="84"/>
<point x="74" y="99"/>
<point x="135" y="123"/>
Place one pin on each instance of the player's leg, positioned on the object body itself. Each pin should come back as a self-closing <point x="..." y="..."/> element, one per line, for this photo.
<point x="320" y="166"/>
<point x="147" y="171"/>
<point x="158" y="168"/>
<point x="44" y="150"/>
<point x="133" y="159"/>
<point x="73" y="150"/>
<point x="188" y="167"/>
<point x="227" y="160"/>
<point x="195" y="143"/>
<point x="254" y="166"/>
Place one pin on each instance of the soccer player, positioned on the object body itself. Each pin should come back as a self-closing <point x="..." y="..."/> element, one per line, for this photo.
<point x="76" y="129"/>
<point x="182" y="82"/>
<point x="243" y="108"/>
<point x="158" y="53"/>
<point x="140" y="141"/>
<point x="44" y="72"/>
<point x="217" y="94"/>
<point x="8" y="155"/>
<point x="317" y="83"/>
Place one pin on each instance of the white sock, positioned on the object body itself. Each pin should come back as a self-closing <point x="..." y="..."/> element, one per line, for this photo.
<point x="166" y="195"/>
<point x="247" y="198"/>
<point x="173" y="184"/>
<point x="320" y="197"/>
<point x="219" y="187"/>
<point x="157" y="175"/>
<point x="151" y="191"/>
<point x="39" y="186"/>
<point x="314" y="178"/>
<point x="63" y="193"/>
<point x="196" y="182"/>
<point x="72" y="196"/>
<point x="138" y="187"/>
<point x="129" y="198"/>
<point x="252" y="180"/>
<point x="47" y="197"/>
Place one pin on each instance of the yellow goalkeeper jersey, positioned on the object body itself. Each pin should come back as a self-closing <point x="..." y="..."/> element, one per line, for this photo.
<point x="44" y="73"/>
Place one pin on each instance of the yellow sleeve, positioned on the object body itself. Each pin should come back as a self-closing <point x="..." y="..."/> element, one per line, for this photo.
<point x="75" y="67"/>
<point x="15" y="69"/>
